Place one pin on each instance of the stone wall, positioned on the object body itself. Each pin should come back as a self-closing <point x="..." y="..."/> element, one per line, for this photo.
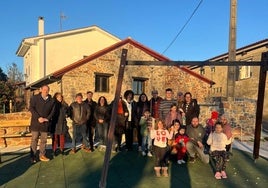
<point x="82" y="79"/>
<point x="244" y="87"/>
<point x="241" y="113"/>
<point x="15" y="130"/>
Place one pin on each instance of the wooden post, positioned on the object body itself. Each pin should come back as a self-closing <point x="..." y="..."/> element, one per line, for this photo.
<point x="260" y="100"/>
<point x="107" y="156"/>
<point x="232" y="50"/>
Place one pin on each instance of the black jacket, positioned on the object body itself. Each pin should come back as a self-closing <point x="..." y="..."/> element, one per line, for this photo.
<point x="191" y="110"/>
<point x="92" y="105"/>
<point x="41" y="108"/>
<point x="59" y="123"/>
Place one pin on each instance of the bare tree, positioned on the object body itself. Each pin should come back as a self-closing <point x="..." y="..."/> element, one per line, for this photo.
<point x="14" y="74"/>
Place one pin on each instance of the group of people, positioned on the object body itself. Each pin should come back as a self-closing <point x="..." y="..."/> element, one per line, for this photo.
<point x="170" y="126"/>
<point x="165" y="127"/>
<point x="49" y="116"/>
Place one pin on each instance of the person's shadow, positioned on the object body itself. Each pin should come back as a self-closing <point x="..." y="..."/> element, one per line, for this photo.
<point x="13" y="165"/>
<point x="128" y="168"/>
<point x="179" y="174"/>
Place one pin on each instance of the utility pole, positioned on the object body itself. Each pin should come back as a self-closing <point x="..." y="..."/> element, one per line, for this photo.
<point x="232" y="50"/>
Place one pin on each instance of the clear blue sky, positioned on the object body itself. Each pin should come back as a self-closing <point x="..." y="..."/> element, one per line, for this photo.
<point x="153" y="23"/>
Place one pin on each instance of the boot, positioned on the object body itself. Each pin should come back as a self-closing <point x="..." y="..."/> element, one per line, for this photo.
<point x="157" y="171"/>
<point x="165" y="171"/>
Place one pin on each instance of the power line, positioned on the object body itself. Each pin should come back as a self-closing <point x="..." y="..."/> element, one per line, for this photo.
<point x="183" y="27"/>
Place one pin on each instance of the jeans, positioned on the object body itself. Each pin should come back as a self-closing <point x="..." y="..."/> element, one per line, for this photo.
<point x="146" y="141"/>
<point x="80" y="129"/>
<point x="102" y="129"/>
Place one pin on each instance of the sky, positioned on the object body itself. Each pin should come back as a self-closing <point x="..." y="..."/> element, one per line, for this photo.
<point x="182" y="30"/>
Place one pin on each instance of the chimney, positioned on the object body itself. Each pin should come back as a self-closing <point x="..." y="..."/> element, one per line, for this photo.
<point x="41" y="25"/>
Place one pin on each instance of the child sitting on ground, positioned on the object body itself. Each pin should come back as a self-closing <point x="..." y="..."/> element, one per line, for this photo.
<point x="172" y="152"/>
<point x="218" y="141"/>
<point x="180" y="143"/>
<point x="146" y="123"/>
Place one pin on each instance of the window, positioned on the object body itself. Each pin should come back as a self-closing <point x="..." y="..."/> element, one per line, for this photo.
<point x="244" y="72"/>
<point x="217" y="90"/>
<point x="212" y="68"/>
<point x="102" y="82"/>
<point x="138" y="85"/>
<point x="202" y="70"/>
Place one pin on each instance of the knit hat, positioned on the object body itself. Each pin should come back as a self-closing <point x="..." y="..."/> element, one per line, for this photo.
<point x="214" y="115"/>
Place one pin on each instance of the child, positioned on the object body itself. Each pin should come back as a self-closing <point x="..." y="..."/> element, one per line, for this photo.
<point x="172" y="115"/>
<point x="218" y="141"/>
<point x="146" y="123"/>
<point x="211" y="122"/>
<point x="171" y="143"/>
<point x="210" y="127"/>
<point x="161" y="136"/>
<point x="180" y="143"/>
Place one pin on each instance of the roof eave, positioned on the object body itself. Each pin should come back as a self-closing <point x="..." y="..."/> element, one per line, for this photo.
<point x="43" y="81"/>
<point x="23" y="48"/>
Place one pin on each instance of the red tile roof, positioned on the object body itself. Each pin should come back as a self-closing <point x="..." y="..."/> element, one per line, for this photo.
<point x="100" y="53"/>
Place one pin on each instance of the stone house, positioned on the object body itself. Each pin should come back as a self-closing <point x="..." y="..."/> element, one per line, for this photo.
<point x="99" y="72"/>
<point x="88" y="58"/>
<point x="60" y="58"/>
<point x="247" y="77"/>
<point x="241" y="109"/>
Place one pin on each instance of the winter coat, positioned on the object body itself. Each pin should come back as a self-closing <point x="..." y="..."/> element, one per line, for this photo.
<point x="59" y="123"/>
<point x="80" y="113"/>
<point x="92" y="105"/>
<point x="102" y="112"/>
<point x="191" y="110"/>
<point x="40" y="107"/>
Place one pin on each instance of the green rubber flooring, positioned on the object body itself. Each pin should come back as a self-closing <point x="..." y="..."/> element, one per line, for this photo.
<point x="126" y="170"/>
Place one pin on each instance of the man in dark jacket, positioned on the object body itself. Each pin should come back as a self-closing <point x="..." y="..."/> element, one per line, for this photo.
<point x="80" y="113"/>
<point x="91" y="123"/>
<point x="42" y="109"/>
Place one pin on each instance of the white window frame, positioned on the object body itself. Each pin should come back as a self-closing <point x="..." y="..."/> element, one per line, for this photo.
<point x="245" y="71"/>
